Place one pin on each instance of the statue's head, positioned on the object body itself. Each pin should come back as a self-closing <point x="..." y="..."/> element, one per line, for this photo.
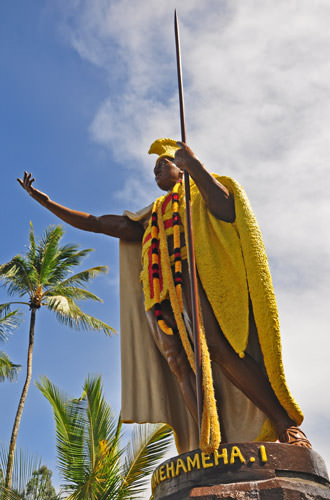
<point x="167" y="174"/>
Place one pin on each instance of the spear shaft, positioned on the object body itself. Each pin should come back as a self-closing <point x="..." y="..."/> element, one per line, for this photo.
<point x="190" y="240"/>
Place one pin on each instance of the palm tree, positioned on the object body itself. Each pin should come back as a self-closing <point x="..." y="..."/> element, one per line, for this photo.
<point x="24" y="465"/>
<point x="42" y="276"/>
<point x="40" y="487"/>
<point x="90" y="459"/>
<point x="8" y="321"/>
<point x="31" y="479"/>
<point x="23" y="469"/>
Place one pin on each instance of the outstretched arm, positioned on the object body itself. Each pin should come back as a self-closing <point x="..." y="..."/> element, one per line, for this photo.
<point x="218" y="199"/>
<point x="118" y="226"/>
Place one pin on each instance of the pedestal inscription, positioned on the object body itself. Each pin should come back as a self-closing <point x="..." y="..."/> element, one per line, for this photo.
<point x="245" y="469"/>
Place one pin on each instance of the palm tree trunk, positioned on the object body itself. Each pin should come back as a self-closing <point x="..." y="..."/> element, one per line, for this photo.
<point x="12" y="446"/>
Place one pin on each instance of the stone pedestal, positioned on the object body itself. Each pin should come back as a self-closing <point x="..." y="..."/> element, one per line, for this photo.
<point x="244" y="471"/>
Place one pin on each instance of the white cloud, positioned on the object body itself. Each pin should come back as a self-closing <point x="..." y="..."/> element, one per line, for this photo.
<point x="256" y="77"/>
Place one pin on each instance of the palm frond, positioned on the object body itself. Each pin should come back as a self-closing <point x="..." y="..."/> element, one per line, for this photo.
<point x="82" y="278"/>
<point x="9" y="494"/>
<point x="70" y="251"/>
<point x="87" y="421"/>
<point x="31" y="254"/>
<point x="72" y="292"/>
<point x="70" y="434"/>
<point x="8" y="369"/>
<point x="9" y="320"/>
<point x="47" y="249"/>
<point x="24" y="465"/>
<point x="46" y="264"/>
<point x="118" y="431"/>
<point x="67" y="258"/>
<point x="16" y="276"/>
<point x="89" y="455"/>
<point x="68" y="313"/>
<point x="148" y="445"/>
<point x="102" y="442"/>
<point x="100" y="421"/>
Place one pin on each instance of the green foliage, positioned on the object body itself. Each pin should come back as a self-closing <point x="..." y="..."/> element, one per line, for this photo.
<point x="24" y="465"/>
<point x="40" y="486"/>
<point x="8" y="369"/>
<point x="8" y="321"/>
<point x="31" y="480"/>
<point x="90" y="458"/>
<point x="142" y="454"/>
<point x="43" y="276"/>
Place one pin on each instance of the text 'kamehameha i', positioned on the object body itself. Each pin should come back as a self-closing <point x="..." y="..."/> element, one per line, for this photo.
<point x="198" y="460"/>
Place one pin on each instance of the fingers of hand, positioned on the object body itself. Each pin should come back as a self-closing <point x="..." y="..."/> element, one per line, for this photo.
<point x="26" y="181"/>
<point x="182" y="155"/>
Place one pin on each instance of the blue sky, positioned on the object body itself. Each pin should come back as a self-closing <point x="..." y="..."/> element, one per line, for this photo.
<point x="48" y="97"/>
<point x="87" y="86"/>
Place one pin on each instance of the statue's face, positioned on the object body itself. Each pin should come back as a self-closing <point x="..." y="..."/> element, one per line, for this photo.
<point x="167" y="173"/>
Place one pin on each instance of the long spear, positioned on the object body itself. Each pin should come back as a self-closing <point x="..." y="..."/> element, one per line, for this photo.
<point x="190" y="241"/>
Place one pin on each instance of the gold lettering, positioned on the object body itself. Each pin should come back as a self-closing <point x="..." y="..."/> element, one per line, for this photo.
<point x="205" y="460"/>
<point x="193" y="462"/>
<point x="155" y="479"/>
<point x="263" y="453"/>
<point x="223" y="455"/>
<point x="236" y="453"/>
<point x="180" y="465"/>
<point x="170" y="468"/>
<point x="162" y="474"/>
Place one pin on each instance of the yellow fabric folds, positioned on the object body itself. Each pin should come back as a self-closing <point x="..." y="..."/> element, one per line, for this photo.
<point x="232" y="264"/>
<point x="233" y="267"/>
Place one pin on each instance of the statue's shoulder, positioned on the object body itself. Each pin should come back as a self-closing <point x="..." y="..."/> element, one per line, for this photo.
<point x="230" y="183"/>
<point x="140" y="215"/>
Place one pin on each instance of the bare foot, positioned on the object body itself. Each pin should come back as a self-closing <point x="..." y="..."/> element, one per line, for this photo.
<point x="294" y="435"/>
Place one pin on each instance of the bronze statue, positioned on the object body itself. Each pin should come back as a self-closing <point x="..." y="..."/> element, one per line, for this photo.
<point x="247" y="372"/>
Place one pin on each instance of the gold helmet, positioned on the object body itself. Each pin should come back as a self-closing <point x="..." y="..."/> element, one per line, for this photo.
<point x="164" y="147"/>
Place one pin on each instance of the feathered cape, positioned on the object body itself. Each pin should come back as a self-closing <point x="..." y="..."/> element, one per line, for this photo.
<point x="232" y="264"/>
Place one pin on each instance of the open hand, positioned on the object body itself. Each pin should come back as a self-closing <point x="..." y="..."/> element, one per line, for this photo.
<point x="26" y="182"/>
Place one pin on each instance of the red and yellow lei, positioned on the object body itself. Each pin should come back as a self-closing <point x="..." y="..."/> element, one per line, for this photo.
<point x="160" y="283"/>
<point x="166" y="210"/>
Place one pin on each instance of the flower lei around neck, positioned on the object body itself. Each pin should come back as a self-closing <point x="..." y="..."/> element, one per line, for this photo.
<point x="210" y="428"/>
<point x="155" y="246"/>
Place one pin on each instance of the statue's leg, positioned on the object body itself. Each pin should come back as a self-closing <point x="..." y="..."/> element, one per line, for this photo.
<point x="171" y="349"/>
<point x="246" y="374"/>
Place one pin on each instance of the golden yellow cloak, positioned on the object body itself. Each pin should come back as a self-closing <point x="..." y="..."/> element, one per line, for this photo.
<point x="233" y="266"/>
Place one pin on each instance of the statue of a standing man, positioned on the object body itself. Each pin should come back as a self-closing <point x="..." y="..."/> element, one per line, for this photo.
<point x="242" y="367"/>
